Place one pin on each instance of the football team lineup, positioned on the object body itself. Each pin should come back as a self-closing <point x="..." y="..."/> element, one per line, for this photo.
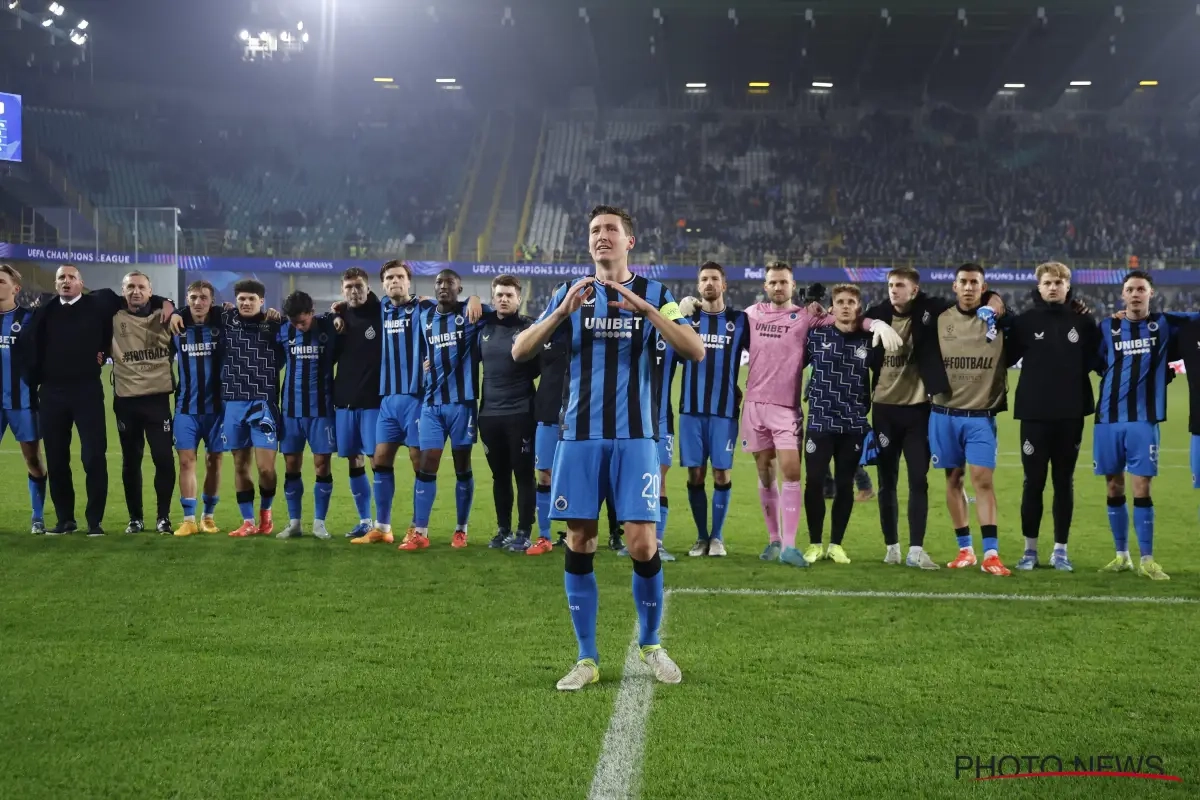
<point x="582" y="417"/>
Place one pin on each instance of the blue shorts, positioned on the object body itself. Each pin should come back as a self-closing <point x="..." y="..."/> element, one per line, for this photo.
<point x="22" y="421"/>
<point x="1195" y="461"/>
<point x="355" y="429"/>
<point x="707" y="437"/>
<point x="1119" y="447"/>
<point x="666" y="448"/>
<point x="955" y="442"/>
<point x="250" y="423"/>
<point x="399" y="420"/>
<point x="545" y="442"/>
<point x="453" y="420"/>
<point x="589" y="470"/>
<point x="192" y="429"/>
<point x="317" y="432"/>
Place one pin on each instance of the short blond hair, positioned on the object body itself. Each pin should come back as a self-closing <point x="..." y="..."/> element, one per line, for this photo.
<point x="846" y="288"/>
<point x="1054" y="269"/>
<point x="11" y="271"/>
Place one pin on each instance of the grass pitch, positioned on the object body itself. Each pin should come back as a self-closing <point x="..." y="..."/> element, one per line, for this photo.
<point x="207" y="667"/>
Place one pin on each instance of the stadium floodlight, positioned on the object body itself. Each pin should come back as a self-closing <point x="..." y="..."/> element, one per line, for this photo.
<point x="760" y="85"/>
<point x="285" y="36"/>
<point x="1014" y="86"/>
<point x="445" y="80"/>
<point x="1081" y="83"/>
<point x="304" y="38"/>
<point x="46" y="23"/>
<point x="244" y="36"/>
<point x="82" y="24"/>
<point x="822" y="84"/>
<point x="13" y="4"/>
<point x="695" y="85"/>
<point x="78" y="38"/>
<point x="384" y="80"/>
<point x="1147" y="83"/>
<point x="56" y="9"/>
<point x="299" y="26"/>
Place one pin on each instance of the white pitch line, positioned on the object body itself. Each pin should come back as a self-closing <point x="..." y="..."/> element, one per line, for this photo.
<point x="619" y="767"/>
<point x="1031" y="598"/>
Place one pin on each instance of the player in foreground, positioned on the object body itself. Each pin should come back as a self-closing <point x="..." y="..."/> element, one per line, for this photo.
<point x="449" y="409"/>
<point x="709" y="405"/>
<point x="839" y="396"/>
<point x="1133" y="400"/>
<point x="1057" y="344"/>
<point x="608" y="430"/>
<point x="198" y="407"/>
<point x="18" y="400"/>
<point x="309" y="344"/>
<point x="966" y="398"/>
<point x="772" y="418"/>
<point x="356" y="387"/>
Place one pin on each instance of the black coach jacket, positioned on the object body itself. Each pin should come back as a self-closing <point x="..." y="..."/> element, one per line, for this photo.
<point x="1058" y="346"/>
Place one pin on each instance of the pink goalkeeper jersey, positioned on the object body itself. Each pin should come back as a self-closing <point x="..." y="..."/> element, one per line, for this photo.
<point x="777" y="340"/>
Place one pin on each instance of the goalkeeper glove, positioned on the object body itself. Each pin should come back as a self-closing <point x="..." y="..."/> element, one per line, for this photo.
<point x="986" y="314"/>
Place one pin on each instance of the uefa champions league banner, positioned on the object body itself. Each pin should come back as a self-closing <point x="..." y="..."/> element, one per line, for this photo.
<point x="560" y="272"/>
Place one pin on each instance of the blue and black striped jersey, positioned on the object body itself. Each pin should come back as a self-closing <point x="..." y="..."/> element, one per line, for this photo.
<point x="14" y="390"/>
<point x="662" y="379"/>
<point x="400" y="370"/>
<point x="609" y="382"/>
<point x="308" y="384"/>
<point x="451" y="343"/>
<point x="198" y="351"/>
<point x="1133" y="376"/>
<point x="711" y="386"/>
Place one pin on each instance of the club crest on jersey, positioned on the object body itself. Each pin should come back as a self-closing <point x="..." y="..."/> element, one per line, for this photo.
<point x="1153" y="326"/>
<point x="560" y="503"/>
<point x="925" y="318"/>
<point x="16" y="327"/>
<point x="323" y="338"/>
<point x="793" y="315"/>
<point x="661" y="345"/>
<point x="369" y="333"/>
<point x="731" y="327"/>
<point x="458" y="319"/>
<point x="1072" y="336"/>
<point x="860" y="353"/>
<point x="810" y="446"/>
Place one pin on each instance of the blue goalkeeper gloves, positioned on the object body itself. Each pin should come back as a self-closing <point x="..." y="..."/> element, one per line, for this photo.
<point x="986" y="314"/>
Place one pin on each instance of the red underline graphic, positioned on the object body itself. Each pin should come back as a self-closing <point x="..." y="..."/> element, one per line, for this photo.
<point x="1086" y="774"/>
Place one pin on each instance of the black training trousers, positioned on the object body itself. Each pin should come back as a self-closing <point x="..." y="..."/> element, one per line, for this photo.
<point x="80" y="405"/>
<point x="845" y="450"/>
<point x="903" y="430"/>
<point x="508" y="445"/>
<point x="141" y="420"/>
<point x="1049" y="446"/>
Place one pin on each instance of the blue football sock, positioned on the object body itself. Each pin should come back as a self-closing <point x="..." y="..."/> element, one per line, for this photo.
<point x="543" y="510"/>
<point x="424" y="492"/>
<point x="1118" y="523"/>
<point x="385" y="492"/>
<point x="720" y="507"/>
<point x="1143" y="524"/>
<point x="245" y="501"/>
<point x="464" y="496"/>
<point x="964" y="537"/>
<point x="583" y="599"/>
<point x="360" y="488"/>
<point x="266" y="499"/>
<point x="321" y="494"/>
<point x="990" y="540"/>
<point x="698" y="500"/>
<point x="37" y="496"/>
<point x="210" y="504"/>
<point x="189" y="506"/>
<point x="293" y="490"/>
<point x="648" y="597"/>
<point x="663" y="513"/>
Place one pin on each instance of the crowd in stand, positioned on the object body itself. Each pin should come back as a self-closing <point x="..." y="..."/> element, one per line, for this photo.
<point x="942" y="192"/>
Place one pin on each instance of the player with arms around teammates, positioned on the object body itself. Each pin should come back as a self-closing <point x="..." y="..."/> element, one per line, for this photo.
<point x="18" y="400"/>
<point x="608" y="430"/>
<point x="1133" y="400"/>
<point x="310" y="348"/>
<point x="709" y="406"/>
<point x="198" y="415"/>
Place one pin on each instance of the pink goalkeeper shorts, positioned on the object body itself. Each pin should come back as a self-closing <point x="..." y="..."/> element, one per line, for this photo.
<point x="766" y="426"/>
